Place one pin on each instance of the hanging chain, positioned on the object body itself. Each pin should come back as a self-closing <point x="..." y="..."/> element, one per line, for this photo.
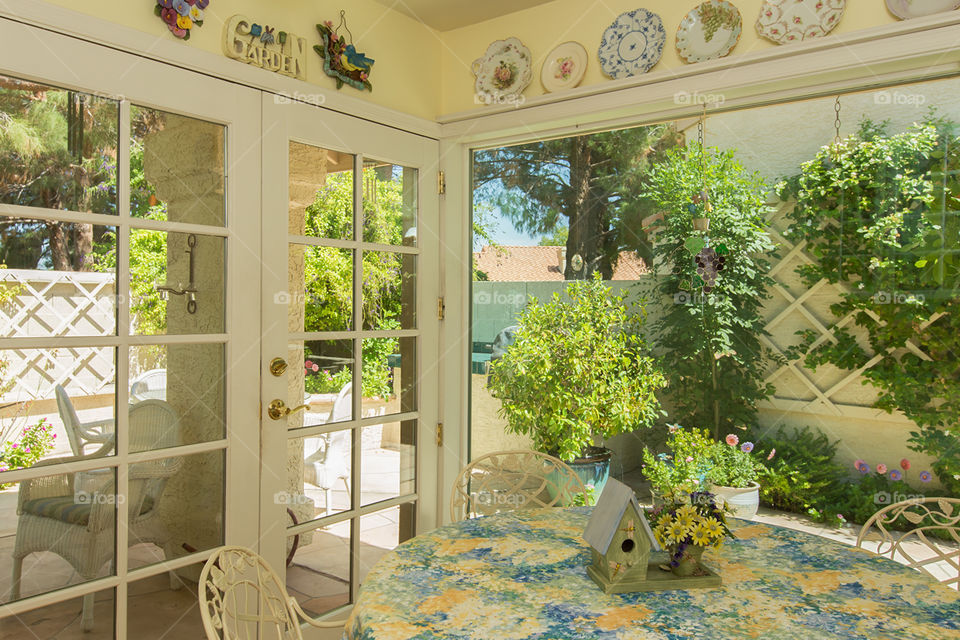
<point x="836" y="122"/>
<point x="703" y="117"/>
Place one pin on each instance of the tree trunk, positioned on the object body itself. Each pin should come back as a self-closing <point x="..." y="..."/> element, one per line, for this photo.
<point x="83" y="241"/>
<point x="587" y="214"/>
<point x="59" y="251"/>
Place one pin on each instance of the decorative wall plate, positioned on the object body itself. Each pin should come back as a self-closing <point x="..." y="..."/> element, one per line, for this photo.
<point x="632" y="44"/>
<point x="906" y="9"/>
<point x="504" y="70"/>
<point x="786" y="21"/>
<point x="564" y="67"/>
<point x="709" y="31"/>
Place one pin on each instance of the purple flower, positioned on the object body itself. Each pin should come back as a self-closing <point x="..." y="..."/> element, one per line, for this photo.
<point x="895" y="475"/>
<point x="925" y="476"/>
<point x="746" y="447"/>
<point x="863" y="467"/>
<point x="181" y="7"/>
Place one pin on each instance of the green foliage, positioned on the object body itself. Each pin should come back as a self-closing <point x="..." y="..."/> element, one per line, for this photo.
<point x="878" y="211"/>
<point x="733" y="467"/>
<point x="802" y="474"/>
<point x="713" y="354"/>
<point x="684" y="469"/>
<point x="33" y="444"/>
<point x="579" y="372"/>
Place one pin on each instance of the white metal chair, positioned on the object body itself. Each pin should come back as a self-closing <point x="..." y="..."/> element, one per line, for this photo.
<point x="510" y="481"/>
<point x="927" y="515"/>
<point x="72" y="515"/>
<point x="149" y="385"/>
<point x="241" y="597"/>
<point x="327" y="456"/>
<point x="81" y="434"/>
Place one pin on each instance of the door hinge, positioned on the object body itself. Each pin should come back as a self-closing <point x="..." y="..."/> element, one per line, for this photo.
<point x="439" y="434"/>
<point x="440" y="308"/>
<point x="441" y="183"/>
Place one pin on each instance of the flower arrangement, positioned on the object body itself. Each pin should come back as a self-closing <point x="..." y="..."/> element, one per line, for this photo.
<point x="181" y="16"/>
<point x="687" y="527"/>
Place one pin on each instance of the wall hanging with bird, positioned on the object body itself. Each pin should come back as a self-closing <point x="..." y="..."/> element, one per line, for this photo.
<point x="341" y="60"/>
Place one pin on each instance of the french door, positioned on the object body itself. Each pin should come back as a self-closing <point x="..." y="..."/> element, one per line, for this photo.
<point x="129" y="233"/>
<point x="349" y="346"/>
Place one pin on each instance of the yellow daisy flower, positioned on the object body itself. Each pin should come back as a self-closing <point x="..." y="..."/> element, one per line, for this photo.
<point x="701" y="536"/>
<point x="677" y="531"/>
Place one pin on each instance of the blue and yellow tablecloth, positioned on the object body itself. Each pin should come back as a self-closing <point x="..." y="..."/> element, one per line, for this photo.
<point x="523" y="575"/>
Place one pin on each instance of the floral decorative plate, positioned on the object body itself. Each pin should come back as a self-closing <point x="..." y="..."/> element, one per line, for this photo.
<point x="786" y="21"/>
<point x="564" y="67"/>
<point x="632" y="44"/>
<point x="906" y="9"/>
<point x="709" y="31"/>
<point x="504" y="70"/>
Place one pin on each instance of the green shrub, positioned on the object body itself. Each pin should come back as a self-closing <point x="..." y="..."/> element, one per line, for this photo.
<point x="802" y="474"/>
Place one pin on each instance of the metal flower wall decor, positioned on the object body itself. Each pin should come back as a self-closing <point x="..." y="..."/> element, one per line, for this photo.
<point x="341" y="60"/>
<point x="181" y="16"/>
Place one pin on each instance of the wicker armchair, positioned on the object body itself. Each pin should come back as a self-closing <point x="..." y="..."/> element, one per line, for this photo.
<point x="241" y="597"/>
<point x="512" y="480"/>
<point x="149" y="385"/>
<point x="929" y="515"/>
<point x="72" y="515"/>
<point x="82" y="434"/>
<point x="327" y="456"/>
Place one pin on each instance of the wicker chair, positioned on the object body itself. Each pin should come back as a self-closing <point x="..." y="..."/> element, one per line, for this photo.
<point x="327" y="456"/>
<point x="72" y="515"/>
<point x="82" y="434"/>
<point x="928" y="514"/>
<point x="149" y="385"/>
<point x="241" y="597"/>
<point x="512" y="480"/>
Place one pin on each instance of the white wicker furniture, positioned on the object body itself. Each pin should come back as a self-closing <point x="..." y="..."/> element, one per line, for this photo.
<point x="512" y="480"/>
<point x="915" y="546"/>
<point x="327" y="456"/>
<point x="149" y="385"/>
<point x="81" y="434"/>
<point x="241" y="598"/>
<point x="75" y="519"/>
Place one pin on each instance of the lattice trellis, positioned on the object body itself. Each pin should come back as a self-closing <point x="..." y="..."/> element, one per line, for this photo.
<point x="58" y="303"/>
<point x="829" y="391"/>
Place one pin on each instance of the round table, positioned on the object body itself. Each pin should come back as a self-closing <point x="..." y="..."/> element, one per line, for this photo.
<point x="523" y="575"/>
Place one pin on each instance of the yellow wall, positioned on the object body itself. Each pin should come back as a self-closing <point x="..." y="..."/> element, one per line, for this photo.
<point x="543" y="27"/>
<point x="406" y="75"/>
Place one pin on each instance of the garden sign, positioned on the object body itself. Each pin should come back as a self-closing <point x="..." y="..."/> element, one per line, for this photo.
<point x="265" y="47"/>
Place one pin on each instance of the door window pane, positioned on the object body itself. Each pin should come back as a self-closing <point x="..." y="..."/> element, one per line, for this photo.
<point x="320" y="291"/>
<point x="323" y="481"/>
<point x="321" y="192"/>
<point x="58" y="148"/>
<point x="389" y="290"/>
<point x="177" y="283"/>
<point x="320" y="374"/>
<point x="388" y="461"/>
<point x="165" y="605"/>
<point x="389" y="376"/>
<point x="389" y="203"/>
<point x="58" y="531"/>
<point x="318" y="568"/>
<point x="382" y="531"/>
<point x="64" y="620"/>
<point x="176" y="167"/>
<point x="57" y="279"/>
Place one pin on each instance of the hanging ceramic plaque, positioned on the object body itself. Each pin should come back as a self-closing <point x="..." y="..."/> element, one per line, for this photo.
<point x="786" y="21"/>
<point x="632" y="44"/>
<point x="504" y="71"/>
<point x="564" y="67"/>
<point x="709" y="31"/>
<point x="906" y="9"/>
<point x="341" y="60"/>
<point x="181" y="16"/>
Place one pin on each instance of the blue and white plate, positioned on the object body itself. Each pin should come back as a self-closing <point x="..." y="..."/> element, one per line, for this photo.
<point x="632" y="44"/>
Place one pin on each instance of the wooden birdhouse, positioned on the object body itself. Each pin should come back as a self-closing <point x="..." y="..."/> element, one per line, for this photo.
<point x="621" y="540"/>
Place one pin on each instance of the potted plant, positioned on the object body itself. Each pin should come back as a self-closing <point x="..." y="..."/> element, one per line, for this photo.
<point x="733" y="476"/>
<point x="577" y="374"/>
<point x="687" y="526"/>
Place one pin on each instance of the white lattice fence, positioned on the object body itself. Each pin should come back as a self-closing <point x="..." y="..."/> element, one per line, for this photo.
<point x="58" y="303"/>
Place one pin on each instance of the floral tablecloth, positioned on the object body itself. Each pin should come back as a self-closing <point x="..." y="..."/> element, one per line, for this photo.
<point x="522" y="575"/>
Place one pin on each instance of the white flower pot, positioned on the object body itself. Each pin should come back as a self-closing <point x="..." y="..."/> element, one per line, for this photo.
<point x="743" y="502"/>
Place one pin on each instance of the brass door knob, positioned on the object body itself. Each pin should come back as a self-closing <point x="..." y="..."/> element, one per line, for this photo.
<point x="278" y="366"/>
<point x="278" y="409"/>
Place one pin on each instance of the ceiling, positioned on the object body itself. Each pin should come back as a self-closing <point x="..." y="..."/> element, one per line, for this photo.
<point x="444" y="15"/>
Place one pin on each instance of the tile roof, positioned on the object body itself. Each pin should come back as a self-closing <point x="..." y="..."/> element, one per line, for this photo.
<point x="537" y="264"/>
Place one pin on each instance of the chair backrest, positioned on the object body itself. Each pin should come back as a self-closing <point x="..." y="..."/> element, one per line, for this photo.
<point x="343" y="405"/>
<point x="916" y="547"/>
<point x="242" y="597"/>
<point x="153" y="425"/>
<point x="513" y="480"/>
<point x="71" y="422"/>
<point x="150" y="385"/>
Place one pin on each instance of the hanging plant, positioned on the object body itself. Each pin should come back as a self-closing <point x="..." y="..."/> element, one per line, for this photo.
<point x="341" y="60"/>
<point x="181" y="16"/>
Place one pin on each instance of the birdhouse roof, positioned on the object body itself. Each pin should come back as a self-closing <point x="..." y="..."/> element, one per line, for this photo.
<point x="605" y="519"/>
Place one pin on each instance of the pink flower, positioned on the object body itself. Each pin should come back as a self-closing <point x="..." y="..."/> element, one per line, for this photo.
<point x="732" y="439"/>
<point x="315" y="367"/>
<point x="857" y="463"/>
<point x="689" y="458"/>
<point x="773" y="452"/>
<point x="905" y="464"/>
<point x="881" y="468"/>
<point x="308" y="363"/>
<point x="169" y="16"/>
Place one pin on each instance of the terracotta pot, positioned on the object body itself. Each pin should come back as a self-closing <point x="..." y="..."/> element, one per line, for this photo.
<point x="688" y="562"/>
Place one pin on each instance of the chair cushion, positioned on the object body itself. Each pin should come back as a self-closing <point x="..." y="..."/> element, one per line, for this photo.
<point x="66" y="509"/>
